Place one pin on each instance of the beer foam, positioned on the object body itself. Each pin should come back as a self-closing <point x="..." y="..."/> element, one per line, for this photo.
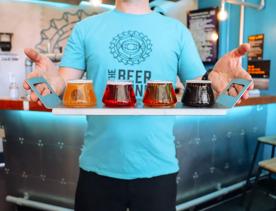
<point x="119" y="82"/>
<point x="159" y="82"/>
<point x="79" y="81"/>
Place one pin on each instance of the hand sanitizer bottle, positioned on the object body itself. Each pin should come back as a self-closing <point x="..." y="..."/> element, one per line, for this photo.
<point x="14" y="89"/>
<point x="28" y="69"/>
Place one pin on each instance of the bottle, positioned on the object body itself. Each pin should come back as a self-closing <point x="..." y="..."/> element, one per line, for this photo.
<point x="28" y="66"/>
<point x="28" y="69"/>
<point x="13" y="87"/>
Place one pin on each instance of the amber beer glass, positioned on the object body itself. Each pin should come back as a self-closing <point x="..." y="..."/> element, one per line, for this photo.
<point x="119" y="94"/>
<point x="79" y="94"/>
<point x="159" y="94"/>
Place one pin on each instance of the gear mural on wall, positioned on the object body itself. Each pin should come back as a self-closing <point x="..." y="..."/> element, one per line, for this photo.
<point x="54" y="37"/>
<point x="130" y="47"/>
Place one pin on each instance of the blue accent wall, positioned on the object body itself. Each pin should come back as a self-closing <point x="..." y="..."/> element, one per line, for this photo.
<point x="228" y="29"/>
<point x="255" y="22"/>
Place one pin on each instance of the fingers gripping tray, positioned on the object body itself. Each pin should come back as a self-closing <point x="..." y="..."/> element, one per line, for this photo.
<point x="50" y="100"/>
<point x="229" y="101"/>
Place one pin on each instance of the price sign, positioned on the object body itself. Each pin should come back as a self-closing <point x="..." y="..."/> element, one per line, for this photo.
<point x="257" y="46"/>
<point x="259" y="68"/>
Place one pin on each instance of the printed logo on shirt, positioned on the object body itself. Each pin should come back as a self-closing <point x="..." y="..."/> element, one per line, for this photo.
<point x="139" y="78"/>
<point x="130" y="47"/>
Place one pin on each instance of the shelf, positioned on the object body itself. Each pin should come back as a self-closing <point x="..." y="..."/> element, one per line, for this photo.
<point x="258" y="100"/>
<point x="178" y="110"/>
<point x="8" y="104"/>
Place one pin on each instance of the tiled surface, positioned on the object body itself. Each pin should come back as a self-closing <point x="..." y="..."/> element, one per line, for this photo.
<point x="261" y="202"/>
<point x="4" y="206"/>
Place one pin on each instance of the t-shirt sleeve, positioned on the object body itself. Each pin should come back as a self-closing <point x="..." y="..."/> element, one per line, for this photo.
<point x="190" y="64"/>
<point x="74" y="53"/>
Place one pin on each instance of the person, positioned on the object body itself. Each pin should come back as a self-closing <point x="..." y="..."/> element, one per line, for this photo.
<point x="130" y="161"/>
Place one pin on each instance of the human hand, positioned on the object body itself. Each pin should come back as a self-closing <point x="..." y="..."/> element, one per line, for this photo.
<point x="229" y="67"/>
<point x="44" y="67"/>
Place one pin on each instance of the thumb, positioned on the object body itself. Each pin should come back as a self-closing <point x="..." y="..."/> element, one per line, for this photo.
<point x="30" y="75"/>
<point x="241" y="50"/>
<point x="33" y="55"/>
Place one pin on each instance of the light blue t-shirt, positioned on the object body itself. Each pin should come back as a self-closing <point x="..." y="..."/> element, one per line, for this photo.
<point x="119" y="46"/>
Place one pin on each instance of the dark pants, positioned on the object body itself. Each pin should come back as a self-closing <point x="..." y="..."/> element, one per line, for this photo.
<point x="100" y="193"/>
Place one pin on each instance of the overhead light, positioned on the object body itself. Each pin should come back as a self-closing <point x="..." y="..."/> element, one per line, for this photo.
<point x="222" y="14"/>
<point x="96" y="3"/>
<point x="102" y="5"/>
<point x="214" y="36"/>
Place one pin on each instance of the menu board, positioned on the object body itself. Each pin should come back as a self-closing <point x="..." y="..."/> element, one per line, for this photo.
<point x="203" y="25"/>
<point x="257" y="45"/>
<point x="259" y="68"/>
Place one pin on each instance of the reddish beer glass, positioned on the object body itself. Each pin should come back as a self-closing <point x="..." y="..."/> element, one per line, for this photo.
<point x="119" y="94"/>
<point x="159" y="94"/>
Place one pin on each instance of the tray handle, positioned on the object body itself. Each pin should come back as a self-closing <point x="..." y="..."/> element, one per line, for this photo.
<point x="229" y="101"/>
<point x="50" y="100"/>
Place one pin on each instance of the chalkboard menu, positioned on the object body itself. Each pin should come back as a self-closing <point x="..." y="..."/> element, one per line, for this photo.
<point x="259" y="68"/>
<point x="257" y="45"/>
<point x="203" y="25"/>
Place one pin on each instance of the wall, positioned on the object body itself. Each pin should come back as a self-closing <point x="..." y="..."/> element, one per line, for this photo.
<point x="265" y="22"/>
<point x="173" y="9"/>
<point x="46" y="26"/>
<point x="229" y="29"/>
<point x="255" y="22"/>
<point x="36" y="24"/>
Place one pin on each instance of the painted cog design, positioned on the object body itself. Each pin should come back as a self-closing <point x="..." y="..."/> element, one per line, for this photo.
<point x="130" y="47"/>
<point x="58" y="31"/>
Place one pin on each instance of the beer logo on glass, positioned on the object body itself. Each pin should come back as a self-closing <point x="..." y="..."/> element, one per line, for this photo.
<point x="77" y="95"/>
<point x="130" y="47"/>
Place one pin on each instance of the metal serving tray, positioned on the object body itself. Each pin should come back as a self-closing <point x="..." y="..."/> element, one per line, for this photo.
<point x="223" y="104"/>
<point x="178" y="110"/>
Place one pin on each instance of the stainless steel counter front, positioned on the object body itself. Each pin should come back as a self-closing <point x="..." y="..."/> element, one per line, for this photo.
<point x="41" y="152"/>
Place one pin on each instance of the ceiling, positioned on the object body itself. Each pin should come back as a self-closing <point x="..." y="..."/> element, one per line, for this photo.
<point x="78" y="1"/>
<point x="112" y="2"/>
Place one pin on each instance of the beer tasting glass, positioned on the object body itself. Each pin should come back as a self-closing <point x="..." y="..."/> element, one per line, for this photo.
<point x="198" y="93"/>
<point x="119" y="94"/>
<point x="159" y="94"/>
<point x="79" y="94"/>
